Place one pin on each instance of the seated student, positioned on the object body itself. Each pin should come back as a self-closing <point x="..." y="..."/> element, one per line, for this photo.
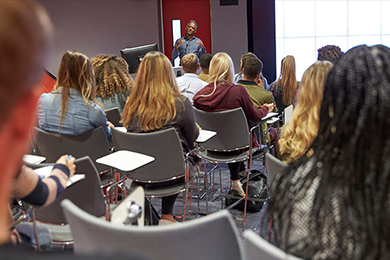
<point x="222" y="94"/>
<point x="258" y="95"/>
<point x="299" y="133"/>
<point x="333" y="202"/>
<point x="71" y="108"/>
<point x="189" y="84"/>
<point x="262" y="81"/>
<point x="329" y="53"/>
<point x="284" y="88"/>
<point x="113" y="81"/>
<point x="156" y="103"/>
<point x="29" y="187"/>
<point x="204" y="61"/>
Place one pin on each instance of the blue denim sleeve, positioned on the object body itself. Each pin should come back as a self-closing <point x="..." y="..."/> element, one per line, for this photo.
<point x="98" y="118"/>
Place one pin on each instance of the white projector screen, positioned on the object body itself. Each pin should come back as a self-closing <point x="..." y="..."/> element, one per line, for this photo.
<point x="303" y="26"/>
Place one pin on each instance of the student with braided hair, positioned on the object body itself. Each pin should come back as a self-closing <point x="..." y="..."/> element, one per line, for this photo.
<point x="329" y="53"/>
<point x="298" y="134"/>
<point x="113" y="81"/>
<point x="334" y="203"/>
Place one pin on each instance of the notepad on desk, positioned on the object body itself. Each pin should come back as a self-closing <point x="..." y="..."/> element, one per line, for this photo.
<point x="44" y="172"/>
<point x="269" y="115"/>
<point x="33" y="159"/>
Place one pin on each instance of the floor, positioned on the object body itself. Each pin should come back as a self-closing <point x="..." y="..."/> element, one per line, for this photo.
<point x="257" y="221"/>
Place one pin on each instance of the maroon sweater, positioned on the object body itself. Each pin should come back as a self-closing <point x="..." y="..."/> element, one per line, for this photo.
<point x="228" y="96"/>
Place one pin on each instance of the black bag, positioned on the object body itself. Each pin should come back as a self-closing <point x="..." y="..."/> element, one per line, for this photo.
<point x="257" y="188"/>
<point x="155" y="216"/>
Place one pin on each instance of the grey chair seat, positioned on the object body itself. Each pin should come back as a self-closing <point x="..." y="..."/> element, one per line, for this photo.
<point x="158" y="190"/>
<point x="226" y="157"/>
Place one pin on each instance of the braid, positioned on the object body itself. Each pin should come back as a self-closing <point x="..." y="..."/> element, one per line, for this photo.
<point x="335" y="204"/>
<point x="111" y="74"/>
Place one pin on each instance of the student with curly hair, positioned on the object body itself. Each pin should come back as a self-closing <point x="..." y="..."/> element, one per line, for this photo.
<point x="329" y="53"/>
<point x="335" y="204"/>
<point x="113" y="81"/>
<point x="71" y="108"/>
<point x="299" y="133"/>
<point x="284" y="88"/>
<point x="156" y="103"/>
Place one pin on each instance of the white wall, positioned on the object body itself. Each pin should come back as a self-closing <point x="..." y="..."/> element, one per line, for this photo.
<point x="229" y="30"/>
<point x="101" y="26"/>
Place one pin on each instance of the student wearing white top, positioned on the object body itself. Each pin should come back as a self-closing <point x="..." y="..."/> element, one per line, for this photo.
<point x="190" y="83"/>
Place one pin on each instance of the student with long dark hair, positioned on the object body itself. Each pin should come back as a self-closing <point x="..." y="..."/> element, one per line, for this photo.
<point x="334" y="201"/>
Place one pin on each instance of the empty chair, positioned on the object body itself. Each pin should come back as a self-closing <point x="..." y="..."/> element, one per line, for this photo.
<point x="257" y="248"/>
<point x="93" y="235"/>
<point x="274" y="166"/>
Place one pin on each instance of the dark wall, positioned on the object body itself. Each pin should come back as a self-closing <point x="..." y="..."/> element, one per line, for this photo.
<point x="101" y="26"/>
<point x="261" y="34"/>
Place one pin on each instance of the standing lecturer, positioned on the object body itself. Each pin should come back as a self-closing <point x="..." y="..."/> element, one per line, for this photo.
<point x="189" y="43"/>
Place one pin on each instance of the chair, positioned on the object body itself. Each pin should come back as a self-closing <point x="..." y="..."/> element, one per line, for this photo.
<point x="85" y="193"/>
<point x="93" y="143"/>
<point x="233" y="135"/>
<point x="258" y="248"/>
<point x="114" y="116"/>
<point x="165" y="242"/>
<point x="288" y="111"/>
<point x="168" y="168"/>
<point x="274" y="166"/>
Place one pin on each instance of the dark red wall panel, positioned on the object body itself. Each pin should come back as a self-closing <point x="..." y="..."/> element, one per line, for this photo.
<point x="198" y="10"/>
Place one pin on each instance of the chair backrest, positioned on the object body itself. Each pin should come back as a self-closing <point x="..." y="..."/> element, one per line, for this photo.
<point x="174" y="242"/>
<point x="52" y="145"/>
<point x="257" y="248"/>
<point x="114" y="116"/>
<point x="85" y="193"/>
<point x="231" y="127"/>
<point x="274" y="165"/>
<point x="163" y="145"/>
<point x="288" y="111"/>
<point x="120" y="213"/>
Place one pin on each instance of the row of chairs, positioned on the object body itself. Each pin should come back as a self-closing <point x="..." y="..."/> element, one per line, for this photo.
<point x="232" y="134"/>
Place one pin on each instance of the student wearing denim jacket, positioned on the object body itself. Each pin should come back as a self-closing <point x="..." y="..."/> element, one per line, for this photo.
<point x="71" y="108"/>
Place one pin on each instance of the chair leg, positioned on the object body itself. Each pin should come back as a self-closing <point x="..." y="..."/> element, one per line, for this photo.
<point x="270" y="227"/>
<point x="246" y="194"/>
<point x="220" y="186"/>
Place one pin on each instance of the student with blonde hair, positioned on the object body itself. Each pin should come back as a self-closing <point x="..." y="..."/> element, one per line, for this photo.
<point x="113" y="81"/>
<point x="71" y="108"/>
<point x="300" y="132"/>
<point x="284" y="88"/>
<point x="222" y="94"/>
<point x="156" y="103"/>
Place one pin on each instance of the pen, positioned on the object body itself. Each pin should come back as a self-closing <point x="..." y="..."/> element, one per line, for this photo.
<point x="69" y="157"/>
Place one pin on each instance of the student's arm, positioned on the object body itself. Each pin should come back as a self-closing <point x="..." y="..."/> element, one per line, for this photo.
<point x="41" y="192"/>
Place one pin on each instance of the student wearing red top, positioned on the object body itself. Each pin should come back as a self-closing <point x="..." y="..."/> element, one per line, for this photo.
<point x="222" y="94"/>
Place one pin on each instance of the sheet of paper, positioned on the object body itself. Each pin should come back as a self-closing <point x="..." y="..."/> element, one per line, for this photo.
<point x="121" y="128"/>
<point x="269" y="115"/>
<point x="205" y="135"/>
<point x="33" y="159"/>
<point x="44" y="172"/>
